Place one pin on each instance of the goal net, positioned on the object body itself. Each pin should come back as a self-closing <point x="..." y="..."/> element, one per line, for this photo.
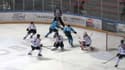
<point x="106" y="41"/>
<point x="113" y="41"/>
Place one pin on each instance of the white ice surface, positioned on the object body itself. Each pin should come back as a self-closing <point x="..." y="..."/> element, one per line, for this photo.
<point x="13" y="51"/>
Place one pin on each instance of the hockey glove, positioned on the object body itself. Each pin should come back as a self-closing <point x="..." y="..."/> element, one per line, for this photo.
<point x="118" y="54"/>
<point x="75" y="32"/>
<point x="61" y="28"/>
<point x="27" y="29"/>
<point x="41" y="45"/>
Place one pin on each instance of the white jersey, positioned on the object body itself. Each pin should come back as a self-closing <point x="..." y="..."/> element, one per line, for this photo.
<point x="59" y="39"/>
<point x="31" y="26"/>
<point x="121" y="49"/>
<point x="87" y="40"/>
<point x="35" y="42"/>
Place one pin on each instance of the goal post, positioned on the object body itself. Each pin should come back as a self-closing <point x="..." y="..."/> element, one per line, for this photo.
<point x="113" y="40"/>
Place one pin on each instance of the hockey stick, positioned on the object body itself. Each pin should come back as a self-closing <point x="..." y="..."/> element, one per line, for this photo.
<point x="109" y="60"/>
<point x="47" y="47"/>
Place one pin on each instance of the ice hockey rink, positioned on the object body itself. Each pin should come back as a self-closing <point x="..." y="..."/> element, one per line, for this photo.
<point x="13" y="51"/>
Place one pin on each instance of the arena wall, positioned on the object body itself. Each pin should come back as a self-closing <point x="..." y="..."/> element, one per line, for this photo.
<point x="46" y="18"/>
<point x="15" y="17"/>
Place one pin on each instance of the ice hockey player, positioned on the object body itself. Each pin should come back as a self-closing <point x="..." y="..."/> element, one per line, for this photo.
<point x="36" y="45"/>
<point x="31" y="30"/>
<point x="53" y="27"/>
<point x="121" y="52"/>
<point x="58" y="42"/>
<point x="67" y="30"/>
<point x="57" y="15"/>
<point x="86" y="42"/>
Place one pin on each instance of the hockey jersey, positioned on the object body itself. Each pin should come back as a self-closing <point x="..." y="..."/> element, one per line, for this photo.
<point x="122" y="49"/>
<point x="87" y="40"/>
<point x="35" y="42"/>
<point x="54" y="25"/>
<point x="59" y="39"/>
<point x="31" y="26"/>
<point x="68" y="29"/>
